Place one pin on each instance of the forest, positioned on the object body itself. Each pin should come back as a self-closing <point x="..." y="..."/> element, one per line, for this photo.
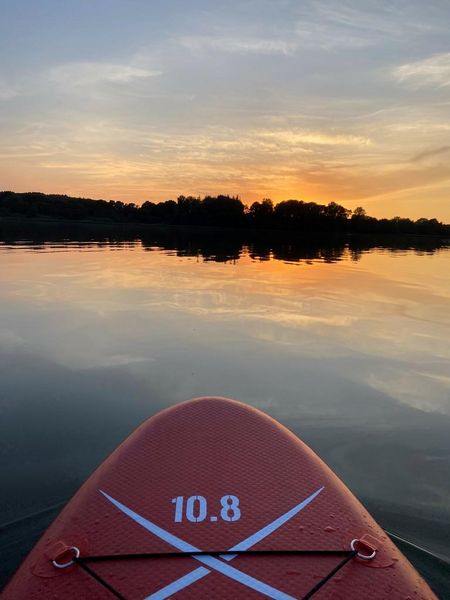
<point x="215" y="211"/>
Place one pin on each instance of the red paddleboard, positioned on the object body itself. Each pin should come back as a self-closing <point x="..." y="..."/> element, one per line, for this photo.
<point x="214" y="475"/>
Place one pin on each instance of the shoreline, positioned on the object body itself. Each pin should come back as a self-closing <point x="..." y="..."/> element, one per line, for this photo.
<point x="234" y="232"/>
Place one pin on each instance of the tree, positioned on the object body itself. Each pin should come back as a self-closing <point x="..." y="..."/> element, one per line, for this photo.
<point x="359" y="213"/>
<point x="261" y="213"/>
<point x="336" y="211"/>
<point x="222" y="211"/>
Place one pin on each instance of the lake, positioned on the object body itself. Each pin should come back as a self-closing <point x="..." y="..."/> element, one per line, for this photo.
<point x="345" y="342"/>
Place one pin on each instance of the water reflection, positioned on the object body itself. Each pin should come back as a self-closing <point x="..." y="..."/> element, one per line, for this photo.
<point x="345" y="341"/>
<point x="207" y="244"/>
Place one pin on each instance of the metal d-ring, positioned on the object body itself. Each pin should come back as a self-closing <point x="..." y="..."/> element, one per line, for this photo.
<point x="358" y="554"/>
<point x="76" y="554"/>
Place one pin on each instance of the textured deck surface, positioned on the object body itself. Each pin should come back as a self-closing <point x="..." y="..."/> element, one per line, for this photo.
<point x="214" y="474"/>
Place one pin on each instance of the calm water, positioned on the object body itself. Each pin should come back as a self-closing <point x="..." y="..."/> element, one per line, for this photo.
<point x="346" y="345"/>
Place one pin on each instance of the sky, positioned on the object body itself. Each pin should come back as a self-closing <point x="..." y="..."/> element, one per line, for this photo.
<point x="319" y="100"/>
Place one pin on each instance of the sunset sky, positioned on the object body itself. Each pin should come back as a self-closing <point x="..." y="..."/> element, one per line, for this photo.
<point x="140" y="100"/>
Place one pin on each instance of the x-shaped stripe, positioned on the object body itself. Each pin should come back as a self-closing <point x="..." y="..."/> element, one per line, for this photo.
<point x="211" y="561"/>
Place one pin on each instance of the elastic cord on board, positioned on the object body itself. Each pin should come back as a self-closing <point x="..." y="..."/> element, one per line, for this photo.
<point x="81" y="561"/>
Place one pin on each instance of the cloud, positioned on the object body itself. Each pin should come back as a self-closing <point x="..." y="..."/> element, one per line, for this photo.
<point x="377" y="19"/>
<point x="238" y="45"/>
<point x="330" y="25"/>
<point x="420" y="126"/>
<point x="431" y="153"/>
<point x="317" y="35"/>
<point x="81" y="74"/>
<point x="8" y="91"/>
<point x="298" y="137"/>
<point x="432" y="71"/>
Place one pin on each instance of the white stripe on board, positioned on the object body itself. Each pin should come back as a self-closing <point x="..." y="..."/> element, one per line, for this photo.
<point x="210" y="561"/>
<point x="201" y="572"/>
<point x="179" y="584"/>
<point x="271" y="527"/>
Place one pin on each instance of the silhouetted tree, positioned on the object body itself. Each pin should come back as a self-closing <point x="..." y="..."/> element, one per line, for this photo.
<point x="189" y="209"/>
<point x="221" y="211"/>
<point x="261" y="213"/>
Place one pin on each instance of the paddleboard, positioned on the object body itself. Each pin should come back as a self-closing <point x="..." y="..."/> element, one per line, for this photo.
<point x="213" y="499"/>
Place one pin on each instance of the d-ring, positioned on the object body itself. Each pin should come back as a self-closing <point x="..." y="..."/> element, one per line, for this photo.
<point x="358" y="554"/>
<point x="76" y="554"/>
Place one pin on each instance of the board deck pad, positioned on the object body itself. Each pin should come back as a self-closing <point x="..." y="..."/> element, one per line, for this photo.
<point x="213" y="474"/>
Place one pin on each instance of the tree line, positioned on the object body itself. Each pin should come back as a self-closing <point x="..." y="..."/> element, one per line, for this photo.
<point x="216" y="211"/>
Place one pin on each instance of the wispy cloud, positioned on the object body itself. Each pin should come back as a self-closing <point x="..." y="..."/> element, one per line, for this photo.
<point x="238" y="45"/>
<point x="431" y="153"/>
<point x="8" y="91"/>
<point x="299" y="137"/>
<point x="433" y="71"/>
<point x="327" y="37"/>
<point x="81" y="74"/>
<point x="378" y="18"/>
<point x="421" y="127"/>
<point x="330" y="25"/>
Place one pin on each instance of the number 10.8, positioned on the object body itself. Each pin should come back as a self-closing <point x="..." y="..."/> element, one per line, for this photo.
<point x="196" y="509"/>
